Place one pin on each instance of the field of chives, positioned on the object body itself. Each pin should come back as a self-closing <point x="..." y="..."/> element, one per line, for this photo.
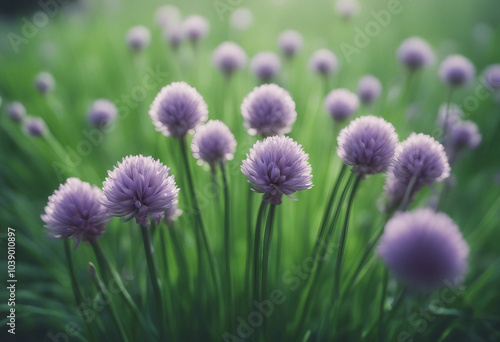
<point x="238" y="265"/>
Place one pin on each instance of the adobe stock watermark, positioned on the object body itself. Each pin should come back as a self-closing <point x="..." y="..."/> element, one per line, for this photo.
<point x="31" y="26"/>
<point x="363" y="36"/>
<point x="222" y="7"/>
<point x="93" y="137"/>
<point x="293" y="278"/>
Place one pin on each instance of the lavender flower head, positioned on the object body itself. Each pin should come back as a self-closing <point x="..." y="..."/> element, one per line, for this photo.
<point x="75" y="211"/>
<point x="168" y="16"/>
<point x="229" y="57"/>
<point x="395" y="191"/>
<point x="241" y="19"/>
<point x="173" y="36"/>
<point x="424" y="248"/>
<point x="213" y="143"/>
<point x="102" y="113"/>
<point x="268" y="110"/>
<point x="35" y="126"/>
<point x="290" y="42"/>
<point x="323" y="62"/>
<point x="415" y="53"/>
<point x="456" y="71"/>
<point x="138" y="38"/>
<point x="265" y="65"/>
<point x="341" y="104"/>
<point x="422" y="158"/>
<point x="368" y="144"/>
<point x="347" y="8"/>
<point x="369" y="89"/>
<point x="44" y="82"/>
<point x="463" y="135"/>
<point x="195" y="28"/>
<point x="139" y="187"/>
<point x="491" y="76"/>
<point x="277" y="166"/>
<point x="16" y="111"/>
<point x="178" y="109"/>
<point x="454" y="115"/>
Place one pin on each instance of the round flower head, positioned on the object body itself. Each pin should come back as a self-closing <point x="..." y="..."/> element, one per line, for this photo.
<point x="16" y="111"/>
<point x="35" y="126"/>
<point x="265" y="65"/>
<point x="102" y="113"/>
<point x="368" y="144"/>
<point x="323" y="62"/>
<point x="454" y="115"/>
<point x="139" y="187"/>
<point x="168" y="16"/>
<point x="456" y="71"/>
<point x="75" y="211"/>
<point x="229" y="57"/>
<point x="44" y="82"/>
<point x="420" y="157"/>
<point x="268" y="110"/>
<point x="241" y="18"/>
<point x="491" y="76"/>
<point x="173" y="36"/>
<point x="415" y="53"/>
<point x="395" y="192"/>
<point x="290" y="42"/>
<point x="277" y="166"/>
<point x="195" y="28"/>
<point x="463" y="135"/>
<point x="138" y="38"/>
<point x="178" y="109"/>
<point x="369" y="89"/>
<point x="347" y="8"/>
<point x="424" y="248"/>
<point x="341" y="104"/>
<point x="213" y="143"/>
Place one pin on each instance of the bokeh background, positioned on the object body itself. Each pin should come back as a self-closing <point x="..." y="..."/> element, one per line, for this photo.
<point x="83" y="46"/>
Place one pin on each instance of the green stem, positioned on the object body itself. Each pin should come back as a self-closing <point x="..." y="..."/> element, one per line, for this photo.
<point x="162" y="320"/>
<point x="407" y="197"/>
<point x="248" y="267"/>
<point x="256" y="251"/>
<point x="182" y="263"/>
<point x="446" y="117"/>
<point x="382" y="305"/>
<point x="227" y="244"/>
<point x="76" y="289"/>
<point x="268" y="235"/>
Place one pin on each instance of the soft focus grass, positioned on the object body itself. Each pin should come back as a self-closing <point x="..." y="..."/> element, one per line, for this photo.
<point x="85" y="50"/>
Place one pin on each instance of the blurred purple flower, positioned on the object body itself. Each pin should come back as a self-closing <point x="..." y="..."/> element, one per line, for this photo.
<point x="75" y="211"/>
<point x="369" y="89"/>
<point x="323" y="62"/>
<point x="139" y="187"/>
<point x="173" y="36"/>
<point x="265" y="65"/>
<point x="341" y="104"/>
<point x="277" y="166"/>
<point x="229" y="57"/>
<point x="424" y="248"/>
<point x="268" y="110"/>
<point x="213" y="143"/>
<point x="44" y="82"/>
<point x="35" y="126"/>
<point x="491" y="76"/>
<point x="16" y="111"/>
<point x="178" y="109"/>
<point x="241" y="19"/>
<point x="456" y="71"/>
<point x="463" y="135"/>
<point x="455" y="114"/>
<point x="102" y="113"/>
<point x="368" y="144"/>
<point x="138" y="38"/>
<point x="415" y="53"/>
<point x="347" y="8"/>
<point x="168" y="16"/>
<point x="290" y="42"/>
<point x="195" y="28"/>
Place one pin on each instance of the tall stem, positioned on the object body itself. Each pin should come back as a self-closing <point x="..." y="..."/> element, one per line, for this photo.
<point x="248" y="266"/>
<point x="382" y="305"/>
<point x="256" y="251"/>
<point x="268" y="235"/>
<point x="407" y="197"/>
<point x="446" y="117"/>
<point x="162" y="320"/>
<point x="227" y="244"/>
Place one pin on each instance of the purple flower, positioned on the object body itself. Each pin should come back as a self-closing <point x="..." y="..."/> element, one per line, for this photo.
<point x="323" y="62"/>
<point x="168" y="16"/>
<point x="75" y="211"/>
<point x="424" y="248"/>
<point x="213" y="143"/>
<point x="422" y="158"/>
<point x="173" y="36"/>
<point x="16" y="111"/>
<point x="138" y="38"/>
<point x="229" y="57"/>
<point x="139" y="187"/>
<point x="368" y="144"/>
<point x="463" y="135"/>
<point x="277" y="166"/>
<point x="241" y="18"/>
<point x="454" y="115"/>
<point x="456" y="71"/>
<point x="347" y="8"/>
<point x="491" y="76"/>
<point x="395" y="192"/>
<point x="265" y="65"/>
<point x="195" y="28"/>
<point x="290" y="42"/>
<point x="268" y="110"/>
<point x="102" y="113"/>
<point x="172" y="213"/>
<point x="369" y="89"/>
<point x="35" y="126"/>
<point x="178" y="109"/>
<point x="44" y="82"/>
<point x="341" y="104"/>
<point x="415" y="53"/>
